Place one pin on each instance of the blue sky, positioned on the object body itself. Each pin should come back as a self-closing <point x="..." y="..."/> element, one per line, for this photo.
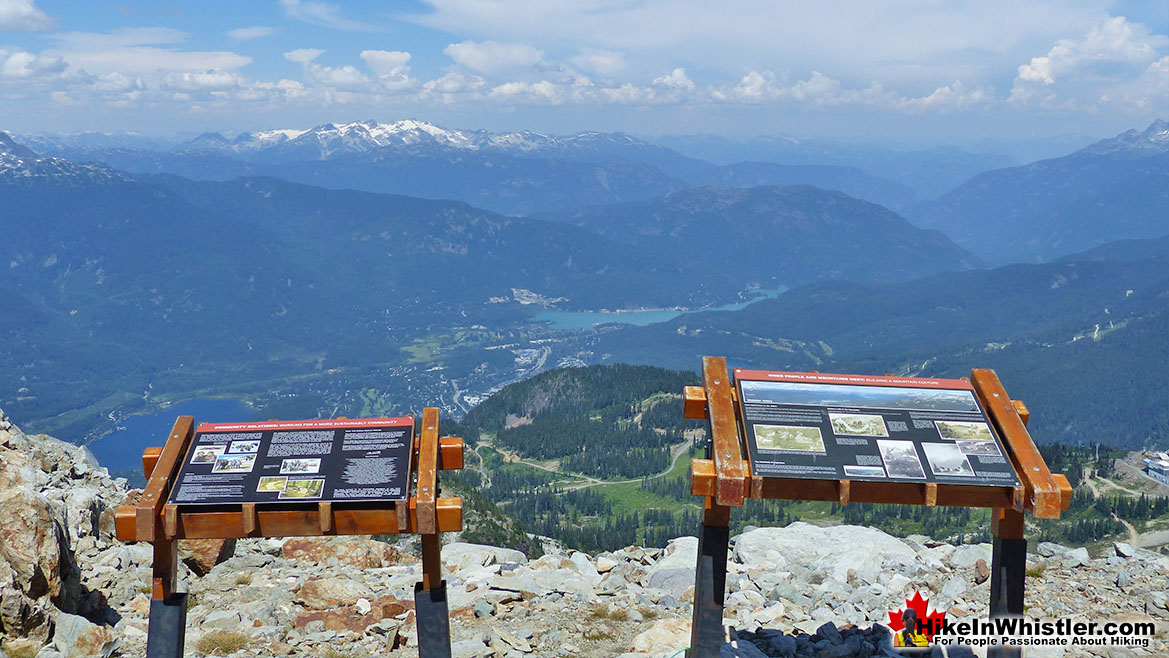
<point x="924" y="71"/>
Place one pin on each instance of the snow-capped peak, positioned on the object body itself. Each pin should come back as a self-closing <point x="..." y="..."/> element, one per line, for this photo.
<point x="20" y="163"/>
<point x="1152" y="141"/>
<point x="331" y="140"/>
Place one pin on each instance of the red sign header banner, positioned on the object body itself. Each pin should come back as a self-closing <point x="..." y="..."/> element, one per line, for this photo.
<point x="323" y="424"/>
<point x="854" y="380"/>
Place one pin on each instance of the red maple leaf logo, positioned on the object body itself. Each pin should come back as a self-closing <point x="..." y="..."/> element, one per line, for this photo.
<point x="930" y="622"/>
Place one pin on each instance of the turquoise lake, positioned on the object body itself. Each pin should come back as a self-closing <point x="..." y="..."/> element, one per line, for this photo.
<point x="577" y="320"/>
<point x="121" y="451"/>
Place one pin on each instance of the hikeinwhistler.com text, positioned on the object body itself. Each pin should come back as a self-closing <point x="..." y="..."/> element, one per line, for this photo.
<point x="1022" y="632"/>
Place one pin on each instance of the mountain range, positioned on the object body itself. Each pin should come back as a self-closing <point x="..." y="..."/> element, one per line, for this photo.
<point x="1114" y="189"/>
<point x="166" y="283"/>
<point x="1082" y="340"/>
<point x="510" y="173"/>
<point x="778" y="235"/>
<point x="159" y="285"/>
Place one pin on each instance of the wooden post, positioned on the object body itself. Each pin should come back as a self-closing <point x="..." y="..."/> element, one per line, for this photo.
<point x="710" y="582"/>
<point x="729" y="488"/>
<point x="1008" y="562"/>
<point x="430" y="602"/>
<point x="167" y="623"/>
<point x="726" y="446"/>
<point x="1008" y="572"/>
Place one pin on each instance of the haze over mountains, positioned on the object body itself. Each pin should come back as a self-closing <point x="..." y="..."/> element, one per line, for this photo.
<point x="512" y="173"/>
<point x="279" y="267"/>
<point x="1113" y="189"/>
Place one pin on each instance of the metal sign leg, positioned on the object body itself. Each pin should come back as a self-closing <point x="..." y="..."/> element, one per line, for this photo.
<point x="434" y="622"/>
<point x="706" y="631"/>
<point x="1008" y="572"/>
<point x="167" y="627"/>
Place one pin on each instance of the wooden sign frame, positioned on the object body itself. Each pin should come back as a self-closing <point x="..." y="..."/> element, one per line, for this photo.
<point x="422" y="513"/>
<point x="724" y="480"/>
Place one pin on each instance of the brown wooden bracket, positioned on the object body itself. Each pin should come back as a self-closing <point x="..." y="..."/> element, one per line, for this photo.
<point x="845" y="489"/>
<point x="694" y="402"/>
<point x="450" y="452"/>
<point x="726" y="447"/>
<point x="325" y="509"/>
<point x="931" y="494"/>
<point x="702" y="477"/>
<point x="1065" y="491"/>
<point x="249" y="519"/>
<point x="1043" y="492"/>
<point x="170" y="520"/>
<point x="149" y="459"/>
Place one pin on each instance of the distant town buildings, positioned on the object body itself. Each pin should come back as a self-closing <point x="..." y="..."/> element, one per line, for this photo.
<point x="1157" y="466"/>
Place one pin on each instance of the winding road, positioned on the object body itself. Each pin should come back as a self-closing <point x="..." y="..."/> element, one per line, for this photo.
<point x="583" y="481"/>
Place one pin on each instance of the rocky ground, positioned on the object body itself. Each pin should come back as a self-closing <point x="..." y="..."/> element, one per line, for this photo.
<point x="69" y="588"/>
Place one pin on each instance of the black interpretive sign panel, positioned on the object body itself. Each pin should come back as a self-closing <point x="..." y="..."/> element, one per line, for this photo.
<point x="297" y="462"/>
<point x="857" y="427"/>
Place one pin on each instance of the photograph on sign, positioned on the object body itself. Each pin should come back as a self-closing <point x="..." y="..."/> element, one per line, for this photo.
<point x="901" y="459"/>
<point x="858" y="425"/>
<point x="956" y="430"/>
<point x="271" y="484"/>
<point x="207" y="454"/>
<point x="244" y="446"/>
<point x="291" y="466"/>
<point x="981" y="448"/>
<point x="787" y="437"/>
<point x="854" y="471"/>
<point x="947" y="459"/>
<point x="234" y="464"/>
<point x="303" y="489"/>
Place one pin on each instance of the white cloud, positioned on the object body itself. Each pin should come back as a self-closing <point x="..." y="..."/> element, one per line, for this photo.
<point x="136" y="51"/>
<point x="675" y="80"/>
<point x="119" y="38"/>
<point x="21" y="64"/>
<point x="541" y="92"/>
<point x="1080" y="73"/>
<point x="323" y="14"/>
<point x="492" y="56"/>
<point x="455" y="83"/>
<point x="1113" y="40"/>
<point x="391" y="68"/>
<point x="336" y="76"/>
<point x="954" y="97"/>
<point x="253" y="32"/>
<point x="902" y="42"/>
<point x="24" y="16"/>
<point x="202" y="80"/>
<point x="603" y="62"/>
<point x="326" y="76"/>
<point x="303" y="55"/>
<point x="116" y="83"/>
<point x="387" y="62"/>
<point x="820" y="90"/>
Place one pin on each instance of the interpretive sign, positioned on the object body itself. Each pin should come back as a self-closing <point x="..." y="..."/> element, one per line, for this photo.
<point x="297" y="461"/>
<point x="855" y="427"/>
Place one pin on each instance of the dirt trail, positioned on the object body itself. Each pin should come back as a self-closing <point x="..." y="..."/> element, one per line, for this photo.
<point x="586" y="481"/>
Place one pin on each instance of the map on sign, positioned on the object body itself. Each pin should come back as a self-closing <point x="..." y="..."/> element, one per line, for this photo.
<point x="297" y="462"/>
<point x="856" y="427"/>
